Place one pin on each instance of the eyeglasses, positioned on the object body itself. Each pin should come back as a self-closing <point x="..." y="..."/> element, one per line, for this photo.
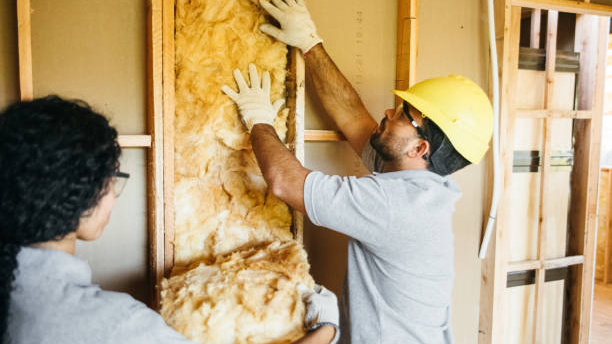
<point x="420" y="131"/>
<point x="119" y="181"/>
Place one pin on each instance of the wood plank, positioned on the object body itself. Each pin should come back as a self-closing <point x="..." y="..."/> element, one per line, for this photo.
<point x="407" y="35"/>
<point x="534" y="264"/>
<point x="545" y="213"/>
<point x="296" y="89"/>
<point x="323" y="135"/>
<point x="608" y="228"/>
<point x="534" y="37"/>
<point x="553" y="114"/>
<point x="24" y="42"/>
<point x="134" y="141"/>
<point x="493" y="282"/>
<point x="168" y="75"/>
<point x="591" y="42"/>
<point x="569" y="6"/>
<point x="155" y="166"/>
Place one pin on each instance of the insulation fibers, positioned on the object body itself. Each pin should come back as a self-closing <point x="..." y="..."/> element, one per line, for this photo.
<point x="221" y="199"/>
<point x="236" y="265"/>
<point x="248" y="296"/>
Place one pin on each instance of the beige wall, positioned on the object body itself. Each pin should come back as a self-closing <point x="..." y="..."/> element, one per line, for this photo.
<point x="95" y="50"/>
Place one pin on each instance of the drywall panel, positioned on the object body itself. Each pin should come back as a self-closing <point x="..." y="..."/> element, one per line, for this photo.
<point x="119" y="257"/>
<point x="9" y="78"/>
<point x="453" y="39"/>
<point x="94" y="50"/>
<point x="368" y="62"/>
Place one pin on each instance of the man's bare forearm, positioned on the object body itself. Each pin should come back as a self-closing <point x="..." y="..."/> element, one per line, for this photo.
<point x="322" y="335"/>
<point x="284" y="174"/>
<point x="339" y="98"/>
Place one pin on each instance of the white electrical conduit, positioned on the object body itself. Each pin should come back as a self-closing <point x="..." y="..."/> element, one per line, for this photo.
<point x="496" y="162"/>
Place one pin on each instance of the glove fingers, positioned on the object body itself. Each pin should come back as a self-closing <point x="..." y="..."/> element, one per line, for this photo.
<point x="229" y="92"/>
<point x="242" y="85"/>
<point x="266" y="82"/>
<point x="278" y="104"/>
<point x="301" y="3"/>
<point x="255" y="83"/>
<point x="272" y="31"/>
<point x="280" y="4"/>
<point x="291" y="2"/>
<point x="273" y="10"/>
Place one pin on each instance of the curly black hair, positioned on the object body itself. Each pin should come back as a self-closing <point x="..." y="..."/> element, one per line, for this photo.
<point x="57" y="159"/>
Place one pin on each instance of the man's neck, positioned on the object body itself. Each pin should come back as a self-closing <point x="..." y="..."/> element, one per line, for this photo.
<point x="66" y="244"/>
<point x="408" y="164"/>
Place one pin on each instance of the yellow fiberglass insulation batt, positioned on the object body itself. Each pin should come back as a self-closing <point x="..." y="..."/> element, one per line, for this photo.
<point x="236" y="264"/>
<point x="249" y="296"/>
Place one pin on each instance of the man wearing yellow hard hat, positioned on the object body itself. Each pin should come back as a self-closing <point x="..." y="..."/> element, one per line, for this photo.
<point x="400" y="257"/>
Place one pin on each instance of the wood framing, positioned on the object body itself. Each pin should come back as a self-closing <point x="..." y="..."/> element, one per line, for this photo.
<point x="407" y="34"/>
<point x="569" y="6"/>
<point x="24" y="42"/>
<point x="155" y="164"/>
<point x="591" y="43"/>
<point x="604" y="235"/>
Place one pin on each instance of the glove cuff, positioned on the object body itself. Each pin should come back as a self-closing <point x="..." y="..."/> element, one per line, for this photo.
<point x="313" y="40"/>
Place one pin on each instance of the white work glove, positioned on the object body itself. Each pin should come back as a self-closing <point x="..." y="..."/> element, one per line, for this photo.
<point x="321" y="308"/>
<point x="297" y="29"/>
<point x="254" y="102"/>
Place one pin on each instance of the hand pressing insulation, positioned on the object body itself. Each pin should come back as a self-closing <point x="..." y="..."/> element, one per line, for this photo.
<point x="254" y="102"/>
<point x="321" y="308"/>
<point x="297" y="28"/>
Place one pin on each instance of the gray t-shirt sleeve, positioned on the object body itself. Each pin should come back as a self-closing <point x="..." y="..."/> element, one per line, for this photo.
<point x="142" y="325"/>
<point x="357" y="207"/>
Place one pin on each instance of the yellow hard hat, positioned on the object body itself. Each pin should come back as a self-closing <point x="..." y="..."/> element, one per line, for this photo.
<point x="459" y="107"/>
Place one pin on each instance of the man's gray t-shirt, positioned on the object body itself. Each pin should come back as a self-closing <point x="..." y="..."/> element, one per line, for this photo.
<point x="400" y="256"/>
<point x="54" y="301"/>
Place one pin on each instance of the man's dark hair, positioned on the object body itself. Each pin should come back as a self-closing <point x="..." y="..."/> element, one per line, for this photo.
<point x="442" y="158"/>
<point x="57" y="160"/>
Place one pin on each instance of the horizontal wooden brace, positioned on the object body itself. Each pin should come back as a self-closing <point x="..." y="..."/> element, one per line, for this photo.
<point x="578" y="7"/>
<point x="554" y="114"/>
<point x="545" y="264"/>
<point x="323" y="135"/>
<point x="133" y="141"/>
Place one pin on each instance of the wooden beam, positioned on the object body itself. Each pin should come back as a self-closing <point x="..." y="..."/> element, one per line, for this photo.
<point x="24" y="42"/>
<point x="493" y="282"/>
<point x="608" y="227"/>
<point x="323" y="135"/>
<point x="591" y="42"/>
<point x="578" y="7"/>
<point x="544" y="208"/>
<point x="135" y="141"/>
<point x="168" y="75"/>
<point x="534" y="37"/>
<point x="544" y="264"/>
<point x="296" y="90"/>
<point x="155" y="166"/>
<point x="553" y="114"/>
<point x="407" y="35"/>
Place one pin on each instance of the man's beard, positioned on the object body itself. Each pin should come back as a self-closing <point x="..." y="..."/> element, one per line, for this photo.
<point x="386" y="150"/>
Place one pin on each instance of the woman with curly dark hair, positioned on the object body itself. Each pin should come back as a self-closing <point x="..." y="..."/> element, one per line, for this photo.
<point x="59" y="177"/>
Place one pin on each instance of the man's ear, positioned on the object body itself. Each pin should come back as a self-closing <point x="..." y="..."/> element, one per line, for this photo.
<point x="420" y="148"/>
